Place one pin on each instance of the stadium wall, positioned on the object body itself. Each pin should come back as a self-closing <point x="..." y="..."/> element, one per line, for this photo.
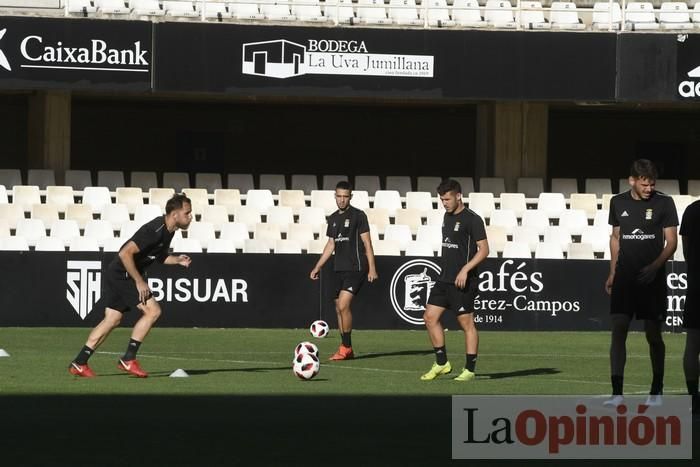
<point x="274" y="291"/>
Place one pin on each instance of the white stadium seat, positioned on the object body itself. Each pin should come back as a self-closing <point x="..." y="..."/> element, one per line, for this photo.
<point x="547" y="250"/>
<point x="180" y="8"/>
<point x="215" y="10"/>
<point x="438" y="15"/>
<point x="329" y="182"/>
<point x="483" y="203"/>
<point x="564" y="15"/>
<point x="308" y="10"/>
<point x="244" y="10"/>
<point x="313" y="216"/>
<point x="514" y="202"/>
<point x="12" y="214"/>
<point x="552" y="204"/>
<point x="3" y="194"/>
<point x="201" y="231"/>
<point x="25" y="196"/>
<point x="293" y="199"/>
<point x="360" y="199"/>
<point x="47" y="213"/>
<point x="417" y="248"/>
<point x="587" y="202"/>
<point x="536" y="219"/>
<point x="516" y="250"/>
<point x="80" y="7"/>
<point x="386" y="248"/>
<point x="80" y="213"/>
<point x="431" y="234"/>
<point x="342" y="11"/>
<point x="557" y="234"/>
<point x="532" y="17"/>
<point x="217" y="215"/>
<point x="83" y="244"/>
<point x="186" y="245"/>
<point x="674" y="15"/>
<point x="499" y="13"/>
<point x="526" y="234"/>
<point x="272" y="182"/>
<point x="146" y="8"/>
<point x="160" y="196"/>
<point x="389" y="200"/>
<point x="277" y="11"/>
<point x="116" y="214"/>
<point x="199" y="198"/>
<point x="283" y="216"/>
<point x="467" y="13"/>
<point x="112" y="7"/>
<point x="493" y="185"/>
<point x="404" y="12"/>
<point x="316" y="247"/>
<point x="131" y="197"/>
<point x="221" y="245"/>
<point x="236" y="232"/>
<point x="372" y="12"/>
<point x="379" y="218"/>
<point x="49" y="244"/>
<point x="640" y="16"/>
<point x="256" y="246"/>
<point x="409" y="217"/>
<point x="97" y="197"/>
<point x="289" y="247"/>
<point x="422" y="201"/>
<point x="230" y="198"/>
<point x="100" y="230"/>
<point x="59" y="196"/>
<point x="574" y="220"/>
<point x="497" y="238"/>
<point x="247" y="215"/>
<point x="598" y="186"/>
<point x="369" y="183"/>
<point x="31" y="230"/>
<point x="580" y="251"/>
<point x="668" y="186"/>
<point x="324" y="199"/>
<point x="240" y="182"/>
<point x="64" y="230"/>
<point x="596" y="236"/>
<point x="606" y="18"/>
<point x="399" y="233"/>
<point x="146" y="213"/>
<point x="504" y="218"/>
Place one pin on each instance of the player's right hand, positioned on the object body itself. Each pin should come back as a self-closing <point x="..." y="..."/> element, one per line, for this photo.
<point x="314" y="274"/>
<point x="144" y="291"/>
<point x="609" y="283"/>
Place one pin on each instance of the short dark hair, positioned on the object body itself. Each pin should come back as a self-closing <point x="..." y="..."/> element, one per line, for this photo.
<point x="176" y="202"/>
<point x="343" y="185"/>
<point x="644" y="168"/>
<point x="448" y="185"/>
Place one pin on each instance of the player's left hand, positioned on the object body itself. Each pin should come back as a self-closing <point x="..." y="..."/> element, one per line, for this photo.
<point x="647" y="275"/>
<point x="372" y="275"/>
<point x="184" y="260"/>
<point x="461" y="280"/>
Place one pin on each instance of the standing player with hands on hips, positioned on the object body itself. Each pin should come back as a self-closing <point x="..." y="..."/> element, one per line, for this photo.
<point x="349" y="237"/>
<point x="464" y="246"/>
<point x="126" y="287"/>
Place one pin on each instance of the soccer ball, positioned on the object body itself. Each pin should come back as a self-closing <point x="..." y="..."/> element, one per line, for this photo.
<point x="306" y="366"/>
<point x="319" y="328"/>
<point x="306" y="347"/>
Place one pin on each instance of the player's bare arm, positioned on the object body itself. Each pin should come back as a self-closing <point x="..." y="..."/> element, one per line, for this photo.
<point x="126" y="255"/>
<point x="178" y="260"/>
<point x="325" y="256"/>
<point x="369" y="251"/>
<point x="614" y="251"/>
<point x="481" y="254"/>
<point x="647" y="274"/>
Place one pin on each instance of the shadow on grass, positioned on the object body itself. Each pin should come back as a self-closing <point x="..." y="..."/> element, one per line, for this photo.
<point x="519" y="373"/>
<point x="166" y="430"/>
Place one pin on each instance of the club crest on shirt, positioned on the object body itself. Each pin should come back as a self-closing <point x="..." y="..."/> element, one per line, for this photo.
<point x="347" y="223"/>
<point x="649" y="213"/>
<point x="457" y="227"/>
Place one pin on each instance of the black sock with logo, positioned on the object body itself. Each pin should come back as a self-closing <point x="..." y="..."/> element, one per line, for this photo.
<point x="616" y="381"/>
<point x="471" y="362"/>
<point x="131" y="350"/>
<point x="440" y="355"/>
<point x="84" y="355"/>
<point x="346" y="338"/>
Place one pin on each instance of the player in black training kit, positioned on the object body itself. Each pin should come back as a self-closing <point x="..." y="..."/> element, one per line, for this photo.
<point x="126" y="287"/>
<point x="644" y="237"/>
<point x="690" y="232"/>
<point x="464" y="246"/>
<point x="348" y="235"/>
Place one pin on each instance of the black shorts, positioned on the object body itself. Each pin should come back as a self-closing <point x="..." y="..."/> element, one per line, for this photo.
<point x="120" y="292"/>
<point x="637" y="300"/>
<point x="350" y="281"/>
<point x="447" y="295"/>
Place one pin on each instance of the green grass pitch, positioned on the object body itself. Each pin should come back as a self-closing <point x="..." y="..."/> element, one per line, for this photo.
<point x="242" y="405"/>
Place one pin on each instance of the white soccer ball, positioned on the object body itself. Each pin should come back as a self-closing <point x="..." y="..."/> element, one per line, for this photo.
<point x="306" y="366"/>
<point x="306" y="347"/>
<point x="319" y="328"/>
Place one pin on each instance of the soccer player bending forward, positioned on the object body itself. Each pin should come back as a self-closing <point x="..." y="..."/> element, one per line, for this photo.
<point x="464" y="246"/>
<point x="127" y="289"/>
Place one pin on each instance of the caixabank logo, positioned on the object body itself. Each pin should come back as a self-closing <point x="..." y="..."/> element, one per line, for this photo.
<point x="76" y="52"/>
<point x="283" y="59"/>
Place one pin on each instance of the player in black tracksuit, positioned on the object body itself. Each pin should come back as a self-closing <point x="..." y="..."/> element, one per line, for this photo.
<point x="464" y="246"/>
<point x="644" y="237"/>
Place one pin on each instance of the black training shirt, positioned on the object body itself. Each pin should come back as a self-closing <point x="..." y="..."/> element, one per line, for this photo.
<point x="345" y="229"/>
<point x="642" y="224"/>
<point x="460" y="232"/>
<point x="153" y="240"/>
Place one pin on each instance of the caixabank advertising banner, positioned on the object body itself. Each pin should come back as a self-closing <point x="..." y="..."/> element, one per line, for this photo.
<point x="389" y="63"/>
<point x="57" y="53"/>
<point x="274" y="291"/>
